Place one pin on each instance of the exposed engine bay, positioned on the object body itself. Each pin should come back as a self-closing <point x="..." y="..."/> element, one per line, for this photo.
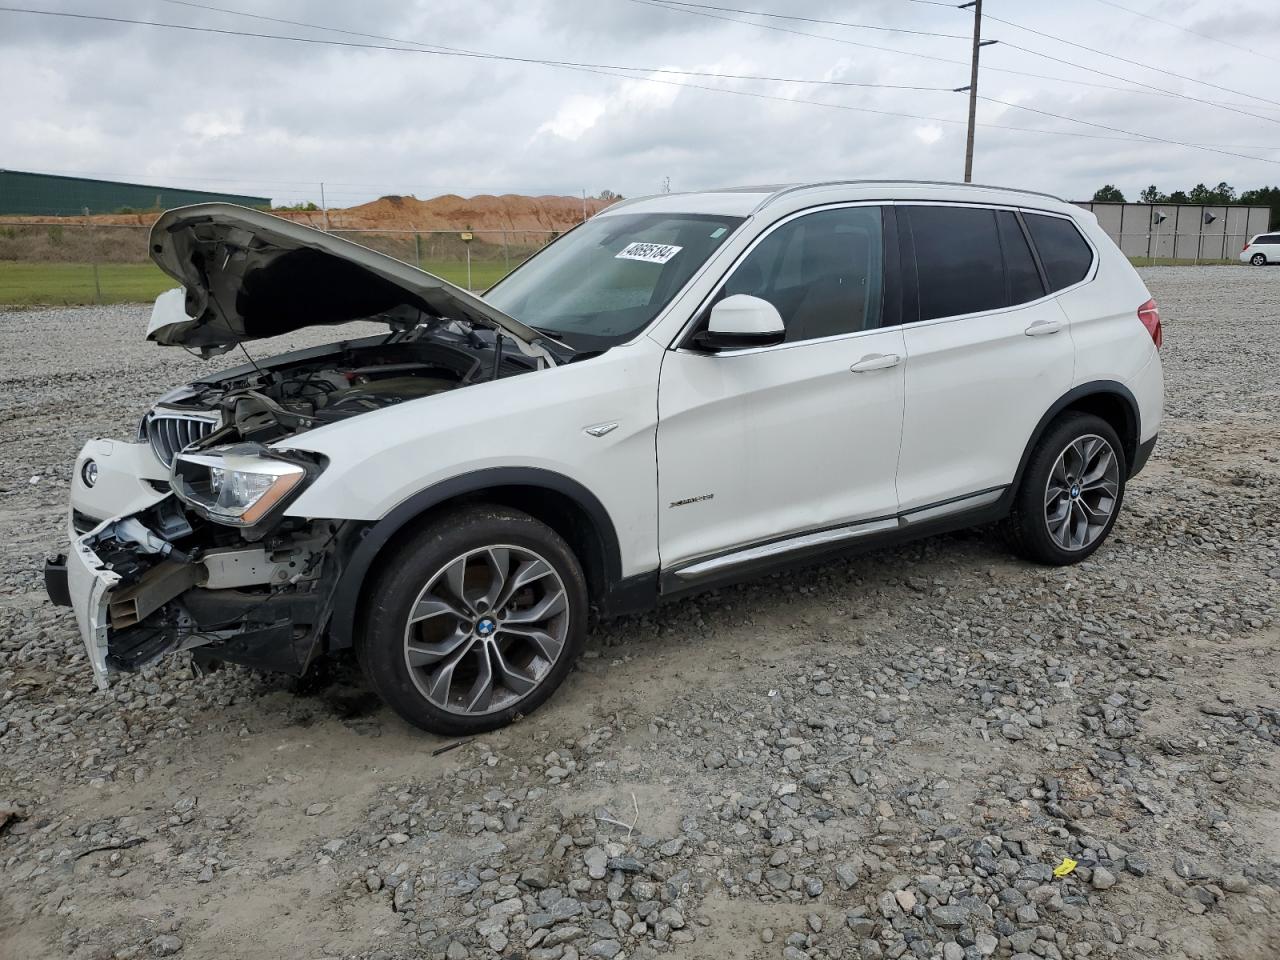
<point x="310" y="388"/>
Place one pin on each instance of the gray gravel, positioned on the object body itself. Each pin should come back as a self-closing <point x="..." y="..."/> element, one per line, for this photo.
<point x="880" y="757"/>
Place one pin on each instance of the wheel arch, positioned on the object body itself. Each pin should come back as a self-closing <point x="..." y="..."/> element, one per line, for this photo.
<point x="561" y="503"/>
<point x="1108" y="399"/>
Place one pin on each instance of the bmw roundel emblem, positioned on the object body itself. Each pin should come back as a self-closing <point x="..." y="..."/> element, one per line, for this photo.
<point x="486" y="627"/>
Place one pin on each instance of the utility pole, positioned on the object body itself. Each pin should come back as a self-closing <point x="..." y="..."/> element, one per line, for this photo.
<point x="324" y="207"/>
<point x="978" y="44"/>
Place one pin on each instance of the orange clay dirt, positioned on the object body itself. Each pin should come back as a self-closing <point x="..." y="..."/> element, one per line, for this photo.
<point x="481" y="214"/>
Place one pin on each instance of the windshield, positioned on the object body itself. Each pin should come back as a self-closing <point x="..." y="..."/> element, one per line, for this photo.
<point x="604" y="281"/>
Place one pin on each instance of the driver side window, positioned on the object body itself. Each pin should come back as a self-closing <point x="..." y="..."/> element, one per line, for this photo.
<point x="824" y="272"/>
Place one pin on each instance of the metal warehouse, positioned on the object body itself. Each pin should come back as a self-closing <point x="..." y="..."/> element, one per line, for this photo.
<point x="1187" y="231"/>
<point x="51" y="195"/>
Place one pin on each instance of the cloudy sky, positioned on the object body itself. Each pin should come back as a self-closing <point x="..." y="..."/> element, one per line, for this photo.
<point x="272" y="117"/>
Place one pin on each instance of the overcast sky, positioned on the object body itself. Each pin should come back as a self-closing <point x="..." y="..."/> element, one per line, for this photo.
<point x="272" y="117"/>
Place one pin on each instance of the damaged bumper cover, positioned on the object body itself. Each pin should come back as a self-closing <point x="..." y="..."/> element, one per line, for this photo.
<point x="88" y="583"/>
<point x="136" y="597"/>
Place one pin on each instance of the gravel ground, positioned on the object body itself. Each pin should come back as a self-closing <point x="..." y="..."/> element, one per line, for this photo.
<point x="880" y="757"/>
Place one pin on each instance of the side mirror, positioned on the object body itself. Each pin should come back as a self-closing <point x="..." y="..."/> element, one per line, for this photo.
<point x="739" y="322"/>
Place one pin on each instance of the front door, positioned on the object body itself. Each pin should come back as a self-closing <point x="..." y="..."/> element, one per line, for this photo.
<point x="761" y="444"/>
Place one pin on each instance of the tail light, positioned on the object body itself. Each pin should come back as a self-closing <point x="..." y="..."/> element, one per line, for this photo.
<point x="1245" y="247"/>
<point x="1149" y="314"/>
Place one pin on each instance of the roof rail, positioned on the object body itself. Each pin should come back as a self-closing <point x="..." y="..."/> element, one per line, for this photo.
<point x="797" y="187"/>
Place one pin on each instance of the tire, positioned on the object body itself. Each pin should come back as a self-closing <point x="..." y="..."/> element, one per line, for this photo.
<point x="1258" y="259"/>
<point x="526" y="627"/>
<point x="1051" y="489"/>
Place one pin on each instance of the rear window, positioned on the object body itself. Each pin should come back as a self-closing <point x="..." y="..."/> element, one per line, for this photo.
<point x="958" y="264"/>
<point x="1065" y="254"/>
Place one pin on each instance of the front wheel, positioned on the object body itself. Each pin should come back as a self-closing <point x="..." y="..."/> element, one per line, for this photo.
<point x="474" y="621"/>
<point x="1258" y="259"/>
<point x="1071" y="491"/>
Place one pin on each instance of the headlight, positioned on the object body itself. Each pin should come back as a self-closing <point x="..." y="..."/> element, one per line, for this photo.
<point x="238" y="484"/>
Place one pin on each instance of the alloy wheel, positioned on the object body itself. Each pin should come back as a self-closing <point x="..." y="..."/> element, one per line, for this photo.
<point x="1081" y="494"/>
<point x="486" y="629"/>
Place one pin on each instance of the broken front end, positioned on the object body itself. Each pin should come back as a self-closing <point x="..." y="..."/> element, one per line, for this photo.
<point x="167" y="578"/>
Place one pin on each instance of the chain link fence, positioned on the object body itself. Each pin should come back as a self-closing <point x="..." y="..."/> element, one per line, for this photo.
<point x="64" y="262"/>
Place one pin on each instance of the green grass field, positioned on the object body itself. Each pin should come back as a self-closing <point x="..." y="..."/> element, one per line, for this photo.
<point x="32" y="284"/>
<point x="29" y="284"/>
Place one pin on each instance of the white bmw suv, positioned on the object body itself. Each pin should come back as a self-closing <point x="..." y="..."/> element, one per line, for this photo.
<point x="683" y="391"/>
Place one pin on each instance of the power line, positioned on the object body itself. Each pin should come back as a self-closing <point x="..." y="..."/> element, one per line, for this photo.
<point x="1194" y="33"/>
<point x="471" y="54"/>
<point x="1232" y="108"/>
<point x="799" y="19"/>
<point x="682" y="6"/>
<point x="1135" y="63"/>
<point x="1145" y="136"/>
<point x="1133" y="137"/>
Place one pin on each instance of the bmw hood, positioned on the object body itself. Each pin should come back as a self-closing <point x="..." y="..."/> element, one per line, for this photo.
<point x="249" y="275"/>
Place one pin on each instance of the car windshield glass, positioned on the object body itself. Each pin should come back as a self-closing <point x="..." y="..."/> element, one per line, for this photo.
<point x="603" y="282"/>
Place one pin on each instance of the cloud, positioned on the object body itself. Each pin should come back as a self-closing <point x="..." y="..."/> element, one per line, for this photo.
<point x="928" y="135"/>
<point x="278" y="117"/>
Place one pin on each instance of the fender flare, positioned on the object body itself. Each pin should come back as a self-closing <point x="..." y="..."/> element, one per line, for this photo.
<point x="1090" y="389"/>
<point x="351" y="581"/>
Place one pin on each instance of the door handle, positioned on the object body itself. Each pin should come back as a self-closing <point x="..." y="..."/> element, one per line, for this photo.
<point x="1043" y="327"/>
<point x="876" y="361"/>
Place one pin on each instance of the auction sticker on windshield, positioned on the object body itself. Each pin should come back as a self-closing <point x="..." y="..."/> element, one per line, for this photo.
<point x="648" y="252"/>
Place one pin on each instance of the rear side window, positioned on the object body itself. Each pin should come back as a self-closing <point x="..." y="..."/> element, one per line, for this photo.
<point x="1268" y="238"/>
<point x="1020" y="267"/>
<point x="958" y="262"/>
<point x="1065" y="254"/>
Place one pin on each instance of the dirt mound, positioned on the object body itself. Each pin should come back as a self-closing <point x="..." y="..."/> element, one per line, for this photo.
<point x="484" y="213"/>
<point x="509" y="212"/>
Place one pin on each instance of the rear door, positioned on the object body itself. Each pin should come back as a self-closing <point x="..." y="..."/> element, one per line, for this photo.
<point x="988" y="352"/>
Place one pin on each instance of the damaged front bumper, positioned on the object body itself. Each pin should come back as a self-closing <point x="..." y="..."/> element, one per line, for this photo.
<point x="154" y="580"/>
<point x="81" y="581"/>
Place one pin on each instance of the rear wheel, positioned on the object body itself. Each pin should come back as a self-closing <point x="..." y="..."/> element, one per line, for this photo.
<point x="1258" y="259"/>
<point x="475" y="621"/>
<point x="1071" y="491"/>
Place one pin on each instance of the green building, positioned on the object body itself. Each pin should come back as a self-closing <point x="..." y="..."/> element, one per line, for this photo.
<point x="52" y="195"/>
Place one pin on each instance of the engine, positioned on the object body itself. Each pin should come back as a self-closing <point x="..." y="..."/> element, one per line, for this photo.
<point x="301" y="391"/>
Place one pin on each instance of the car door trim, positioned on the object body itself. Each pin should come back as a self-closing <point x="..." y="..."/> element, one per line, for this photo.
<point x="699" y="569"/>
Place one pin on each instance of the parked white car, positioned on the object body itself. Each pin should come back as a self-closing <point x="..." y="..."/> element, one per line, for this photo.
<point x="1261" y="250"/>
<point x="683" y="391"/>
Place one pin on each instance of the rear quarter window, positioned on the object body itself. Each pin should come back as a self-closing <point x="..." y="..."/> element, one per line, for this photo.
<point x="1065" y="254"/>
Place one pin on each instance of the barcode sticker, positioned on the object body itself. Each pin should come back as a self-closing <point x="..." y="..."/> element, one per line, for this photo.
<point x="648" y="252"/>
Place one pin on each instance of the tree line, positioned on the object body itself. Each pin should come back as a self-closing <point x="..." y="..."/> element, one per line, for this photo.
<point x="1223" y="195"/>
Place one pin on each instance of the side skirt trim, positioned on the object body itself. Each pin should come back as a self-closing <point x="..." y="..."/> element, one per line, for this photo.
<point x="835" y="535"/>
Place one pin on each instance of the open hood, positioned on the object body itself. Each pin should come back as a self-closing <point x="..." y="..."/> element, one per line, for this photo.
<point x="250" y="275"/>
